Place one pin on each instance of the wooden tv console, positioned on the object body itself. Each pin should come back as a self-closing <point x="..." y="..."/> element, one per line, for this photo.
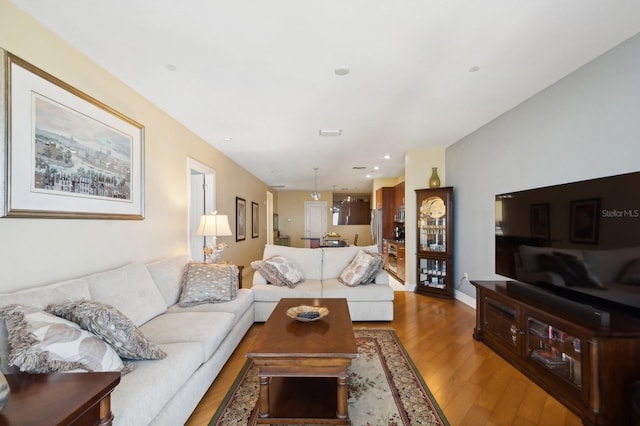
<point x="587" y="366"/>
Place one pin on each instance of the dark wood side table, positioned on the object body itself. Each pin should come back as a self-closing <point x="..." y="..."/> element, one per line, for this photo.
<point x="60" y="399"/>
<point x="240" y="268"/>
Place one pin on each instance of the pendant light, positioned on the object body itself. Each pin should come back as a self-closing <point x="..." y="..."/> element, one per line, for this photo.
<point x="315" y="194"/>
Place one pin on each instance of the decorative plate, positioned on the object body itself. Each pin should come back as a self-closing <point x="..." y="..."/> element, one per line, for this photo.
<point x="306" y="313"/>
<point x="433" y="207"/>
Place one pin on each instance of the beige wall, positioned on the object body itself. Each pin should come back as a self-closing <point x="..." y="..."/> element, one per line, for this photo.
<point x="290" y="208"/>
<point x="38" y="251"/>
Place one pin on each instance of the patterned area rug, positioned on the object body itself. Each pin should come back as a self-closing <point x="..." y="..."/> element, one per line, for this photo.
<point x="384" y="388"/>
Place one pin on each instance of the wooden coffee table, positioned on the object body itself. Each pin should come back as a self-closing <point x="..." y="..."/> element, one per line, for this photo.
<point x="302" y="366"/>
<point x="60" y="399"/>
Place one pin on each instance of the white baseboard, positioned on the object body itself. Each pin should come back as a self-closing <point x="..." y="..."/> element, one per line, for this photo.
<point x="466" y="299"/>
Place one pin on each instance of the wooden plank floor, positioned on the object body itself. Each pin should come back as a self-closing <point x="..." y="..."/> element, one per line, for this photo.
<point x="472" y="384"/>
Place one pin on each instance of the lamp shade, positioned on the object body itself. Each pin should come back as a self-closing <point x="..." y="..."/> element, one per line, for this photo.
<point x="214" y="225"/>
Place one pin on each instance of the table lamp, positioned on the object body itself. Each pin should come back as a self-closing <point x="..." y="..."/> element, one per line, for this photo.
<point x="214" y="225"/>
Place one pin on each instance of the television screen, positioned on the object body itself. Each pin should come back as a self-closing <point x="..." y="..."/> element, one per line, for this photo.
<point x="580" y="240"/>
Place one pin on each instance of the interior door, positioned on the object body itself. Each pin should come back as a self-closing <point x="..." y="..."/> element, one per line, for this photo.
<point x="201" y="201"/>
<point x="315" y="219"/>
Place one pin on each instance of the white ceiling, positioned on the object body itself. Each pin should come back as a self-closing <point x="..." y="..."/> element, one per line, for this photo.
<point x="261" y="72"/>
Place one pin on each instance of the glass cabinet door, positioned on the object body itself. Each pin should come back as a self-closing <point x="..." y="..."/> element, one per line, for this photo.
<point x="556" y="350"/>
<point x="433" y="272"/>
<point x="432" y="225"/>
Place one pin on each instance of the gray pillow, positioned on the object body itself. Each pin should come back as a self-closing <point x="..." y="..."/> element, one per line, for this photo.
<point x="111" y="325"/>
<point x="44" y="343"/>
<point x="361" y="269"/>
<point x="208" y="283"/>
<point x="279" y="270"/>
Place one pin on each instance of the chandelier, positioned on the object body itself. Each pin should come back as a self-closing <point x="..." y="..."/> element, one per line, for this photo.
<point x="315" y="194"/>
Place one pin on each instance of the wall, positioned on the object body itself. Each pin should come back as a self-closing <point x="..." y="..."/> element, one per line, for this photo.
<point x="584" y="126"/>
<point x="38" y="251"/>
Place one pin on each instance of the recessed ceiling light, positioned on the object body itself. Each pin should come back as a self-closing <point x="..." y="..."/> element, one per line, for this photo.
<point x="474" y="68"/>
<point x="171" y="67"/>
<point x="341" y="71"/>
<point x="376" y="168"/>
<point x="368" y="176"/>
<point x="387" y="157"/>
<point x="330" y="132"/>
<point x="228" y="139"/>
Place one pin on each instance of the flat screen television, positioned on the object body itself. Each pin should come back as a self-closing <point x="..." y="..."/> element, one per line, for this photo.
<point x="578" y="240"/>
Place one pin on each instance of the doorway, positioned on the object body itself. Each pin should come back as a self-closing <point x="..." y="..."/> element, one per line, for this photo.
<point x="201" y="192"/>
<point x="315" y="220"/>
<point x="270" y="229"/>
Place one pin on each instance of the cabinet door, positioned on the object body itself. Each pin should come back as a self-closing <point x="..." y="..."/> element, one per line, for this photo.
<point x="501" y="322"/>
<point x="401" y="262"/>
<point x="435" y="221"/>
<point x="555" y="348"/>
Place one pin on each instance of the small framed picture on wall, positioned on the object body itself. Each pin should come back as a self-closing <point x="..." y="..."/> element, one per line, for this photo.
<point x="255" y="219"/>
<point x="241" y="219"/>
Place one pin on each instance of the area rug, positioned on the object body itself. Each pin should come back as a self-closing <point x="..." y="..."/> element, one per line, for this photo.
<point x="385" y="388"/>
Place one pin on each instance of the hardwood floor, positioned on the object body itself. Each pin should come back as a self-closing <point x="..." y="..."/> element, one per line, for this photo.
<point x="471" y="383"/>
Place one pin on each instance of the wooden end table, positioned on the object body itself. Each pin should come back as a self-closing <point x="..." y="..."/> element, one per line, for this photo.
<point x="302" y="366"/>
<point x="60" y="399"/>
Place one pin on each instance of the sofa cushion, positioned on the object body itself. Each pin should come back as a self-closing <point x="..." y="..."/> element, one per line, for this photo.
<point x="43" y="343"/>
<point x="531" y="261"/>
<point x="143" y="393"/>
<point x="279" y="270"/>
<point x="573" y="271"/>
<point x="335" y="259"/>
<point x="237" y="306"/>
<point x="631" y="274"/>
<point x="272" y="293"/>
<point x="130" y="289"/>
<point x="361" y="269"/>
<point x="110" y="325"/>
<point x="208" y="283"/>
<point x="207" y="328"/>
<point x="308" y="261"/>
<point x="332" y="288"/>
<point x="608" y="265"/>
<point x="167" y="275"/>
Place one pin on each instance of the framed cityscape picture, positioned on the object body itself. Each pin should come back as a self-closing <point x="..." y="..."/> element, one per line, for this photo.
<point x="69" y="155"/>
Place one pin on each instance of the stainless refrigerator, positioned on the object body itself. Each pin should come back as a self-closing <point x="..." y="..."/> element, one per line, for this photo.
<point x="376" y="228"/>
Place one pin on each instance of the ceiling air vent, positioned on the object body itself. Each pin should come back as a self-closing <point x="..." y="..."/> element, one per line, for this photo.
<point x="358" y="167"/>
<point x="330" y="132"/>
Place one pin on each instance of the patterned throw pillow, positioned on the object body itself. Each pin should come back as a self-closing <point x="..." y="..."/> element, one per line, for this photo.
<point x="43" y="343"/>
<point x="208" y="283"/>
<point x="279" y="270"/>
<point x="111" y="325"/>
<point x="362" y="269"/>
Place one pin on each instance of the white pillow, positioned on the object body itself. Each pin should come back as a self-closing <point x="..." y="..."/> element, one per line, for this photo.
<point x="43" y="343"/>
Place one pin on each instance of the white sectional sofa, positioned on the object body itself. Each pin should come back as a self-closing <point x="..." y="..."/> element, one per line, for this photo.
<point x="321" y="268"/>
<point x="198" y="340"/>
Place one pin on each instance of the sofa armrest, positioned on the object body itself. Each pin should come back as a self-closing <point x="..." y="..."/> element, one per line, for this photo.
<point x="381" y="277"/>
<point x="258" y="278"/>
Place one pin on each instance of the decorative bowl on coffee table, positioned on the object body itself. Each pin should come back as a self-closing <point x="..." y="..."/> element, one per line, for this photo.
<point x="307" y="313"/>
